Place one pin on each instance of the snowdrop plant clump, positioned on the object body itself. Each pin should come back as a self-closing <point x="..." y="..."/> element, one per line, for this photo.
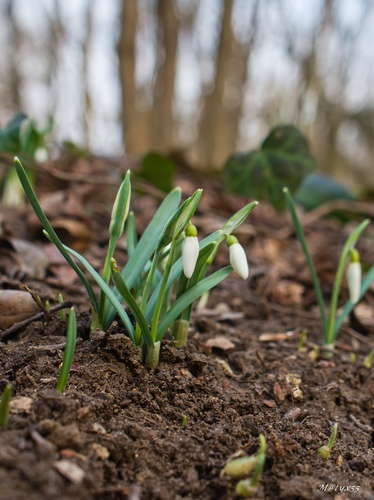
<point x="166" y="271"/>
<point x="350" y="262"/>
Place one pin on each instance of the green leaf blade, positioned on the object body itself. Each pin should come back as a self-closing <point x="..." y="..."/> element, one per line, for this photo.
<point x="190" y="296"/>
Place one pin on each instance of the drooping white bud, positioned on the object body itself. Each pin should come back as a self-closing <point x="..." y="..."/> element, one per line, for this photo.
<point x="354" y="275"/>
<point x="190" y="251"/>
<point x="238" y="258"/>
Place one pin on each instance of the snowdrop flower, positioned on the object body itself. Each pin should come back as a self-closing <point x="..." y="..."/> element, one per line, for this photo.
<point x="190" y="250"/>
<point x="238" y="258"/>
<point x="354" y="276"/>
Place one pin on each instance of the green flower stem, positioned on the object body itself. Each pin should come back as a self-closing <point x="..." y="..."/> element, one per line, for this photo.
<point x="300" y="234"/>
<point x="146" y="292"/>
<point x="189" y="297"/>
<point x="200" y="271"/>
<point x="146" y="246"/>
<point x="4" y="405"/>
<point x="163" y="288"/>
<point x="174" y="274"/>
<point x="151" y="354"/>
<point x="129" y="299"/>
<point x="71" y="340"/>
<point x="106" y="277"/>
<point x="119" y="214"/>
<point x="180" y="332"/>
<point x="366" y="283"/>
<point x="331" y="334"/>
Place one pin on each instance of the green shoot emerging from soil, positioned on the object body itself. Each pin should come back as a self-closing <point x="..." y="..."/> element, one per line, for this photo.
<point x="166" y="270"/>
<point x="324" y="451"/>
<point x="349" y="260"/>
<point x="243" y="467"/>
<point x="71" y="339"/>
<point x="4" y="405"/>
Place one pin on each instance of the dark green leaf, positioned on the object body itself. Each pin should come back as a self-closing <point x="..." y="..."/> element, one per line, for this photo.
<point x="284" y="159"/>
<point x="10" y="135"/>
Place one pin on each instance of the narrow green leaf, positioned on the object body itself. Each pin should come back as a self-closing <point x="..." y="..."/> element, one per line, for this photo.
<point x="190" y="296"/>
<point x="238" y="218"/>
<point x="178" y="221"/>
<point x="131" y="234"/>
<point x="119" y="214"/>
<point x="146" y="245"/>
<point x="131" y="302"/>
<point x="120" y="209"/>
<point x="71" y="340"/>
<point x="51" y="234"/>
<point x="117" y="306"/>
<point x="175" y="272"/>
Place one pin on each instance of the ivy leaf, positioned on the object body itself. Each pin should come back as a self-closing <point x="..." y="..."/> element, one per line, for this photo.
<point x="10" y="135"/>
<point x="283" y="160"/>
<point x="317" y="189"/>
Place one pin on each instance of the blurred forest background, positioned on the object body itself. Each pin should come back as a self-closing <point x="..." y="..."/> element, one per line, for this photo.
<point x="200" y="78"/>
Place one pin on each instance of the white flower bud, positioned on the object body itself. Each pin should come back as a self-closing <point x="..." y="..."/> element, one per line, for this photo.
<point x="354" y="281"/>
<point x="238" y="258"/>
<point x="190" y="255"/>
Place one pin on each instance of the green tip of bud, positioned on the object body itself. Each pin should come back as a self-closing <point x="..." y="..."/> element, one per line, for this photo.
<point x="231" y="240"/>
<point x="355" y="256"/>
<point x="191" y="230"/>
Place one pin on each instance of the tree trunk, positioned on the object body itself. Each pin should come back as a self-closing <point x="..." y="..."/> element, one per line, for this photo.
<point x="162" y="115"/>
<point x="14" y="40"/>
<point x="222" y="109"/>
<point x="134" y="125"/>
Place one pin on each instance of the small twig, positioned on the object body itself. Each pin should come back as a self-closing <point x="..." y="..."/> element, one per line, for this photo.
<point x="360" y="425"/>
<point x="107" y="334"/>
<point x="14" y="329"/>
<point x="38" y="301"/>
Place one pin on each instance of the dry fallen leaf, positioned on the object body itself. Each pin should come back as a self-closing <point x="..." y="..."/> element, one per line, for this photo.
<point x="70" y="471"/>
<point x="279" y="393"/>
<point x="15" y="306"/>
<point x="220" y="342"/>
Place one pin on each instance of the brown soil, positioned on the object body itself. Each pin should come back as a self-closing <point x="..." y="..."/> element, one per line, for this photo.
<point x="117" y="431"/>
